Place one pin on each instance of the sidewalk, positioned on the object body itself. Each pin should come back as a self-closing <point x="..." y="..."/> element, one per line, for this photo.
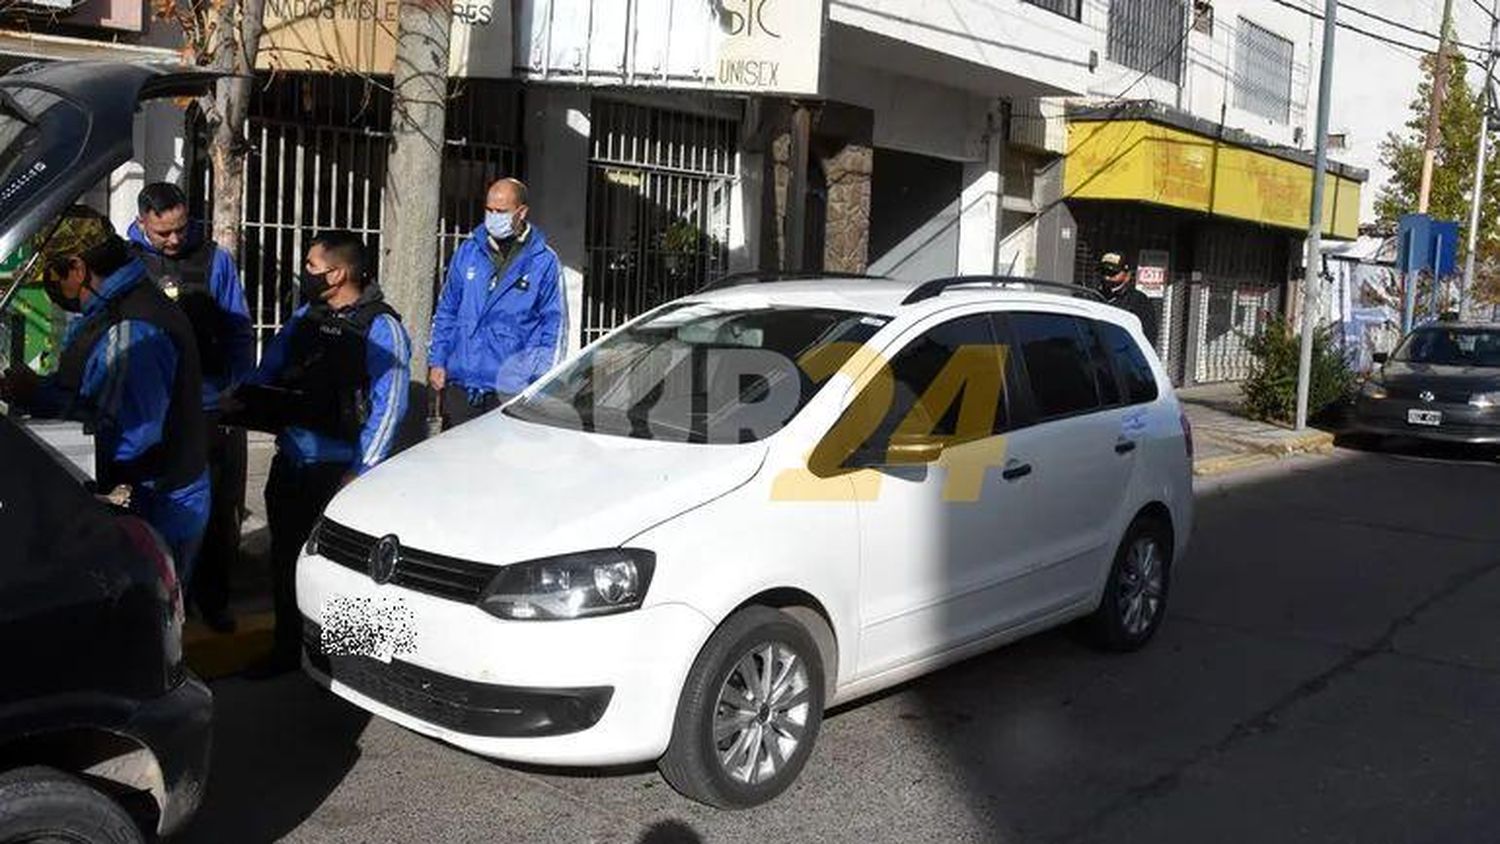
<point x="1224" y="441"/>
<point x="1228" y="442"/>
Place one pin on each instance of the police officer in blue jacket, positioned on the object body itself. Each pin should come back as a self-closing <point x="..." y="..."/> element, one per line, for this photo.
<point x="204" y="282"/>
<point x="501" y="320"/>
<point x="129" y="371"/>
<point x="343" y="360"/>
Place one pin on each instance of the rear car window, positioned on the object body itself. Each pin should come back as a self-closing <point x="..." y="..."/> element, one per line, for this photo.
<point x="1059" y="368"/>
<point x="1130" y="362"/>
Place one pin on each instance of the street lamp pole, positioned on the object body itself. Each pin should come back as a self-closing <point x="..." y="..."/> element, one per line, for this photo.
<point x="1315" y="217"/>
<point x="1476" y="201"/>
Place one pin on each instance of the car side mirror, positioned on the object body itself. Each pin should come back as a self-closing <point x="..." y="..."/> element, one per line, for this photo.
<point x="1381" y="358"/>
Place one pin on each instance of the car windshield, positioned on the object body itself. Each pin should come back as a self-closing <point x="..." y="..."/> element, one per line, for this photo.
<point x="1453" y="346"/>
<point x="700" y="373"/>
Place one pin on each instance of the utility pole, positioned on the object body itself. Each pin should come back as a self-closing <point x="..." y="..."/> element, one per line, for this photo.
<point x="1476" y="201"/>
<point x="1315" y="216"/>
<point x="414" y="169"/>
<point x="1435" y="109"/>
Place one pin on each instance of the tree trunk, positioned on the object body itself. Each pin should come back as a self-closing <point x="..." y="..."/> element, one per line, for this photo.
<point x="413" y="182"/>
<point x="227" y="116"/>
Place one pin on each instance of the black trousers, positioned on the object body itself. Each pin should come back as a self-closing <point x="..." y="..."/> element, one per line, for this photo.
<point x="220" y="553"/>
<point x="295" y="498"/>
<point x="457" y="409"/>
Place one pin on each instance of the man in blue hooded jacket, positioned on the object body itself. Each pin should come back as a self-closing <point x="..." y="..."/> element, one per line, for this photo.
<point x="501" y="319"/>
<point x="202" y="279"/>
<point x="129" y="371"/>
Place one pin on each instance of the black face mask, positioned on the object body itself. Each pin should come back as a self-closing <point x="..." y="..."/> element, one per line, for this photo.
<point x="312" y="286"/>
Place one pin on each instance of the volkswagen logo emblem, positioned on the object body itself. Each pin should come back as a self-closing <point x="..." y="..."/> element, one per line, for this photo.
<point x="1427" y="396"/>
<point x="384" y="556"/>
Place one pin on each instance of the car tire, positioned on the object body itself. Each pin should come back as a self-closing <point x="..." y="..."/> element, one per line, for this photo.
<point x="732" y="747"/>
<point x="1135" y="593"/>
<point x="38" y="803"/>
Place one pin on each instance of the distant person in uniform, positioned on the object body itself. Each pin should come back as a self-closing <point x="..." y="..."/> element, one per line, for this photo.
<point x="1117" y="284"/>
<point x="129" y="371"/>
<point x="502" y="318"/>
<point x="342" y="363"/>
<point x="204" y="282"/>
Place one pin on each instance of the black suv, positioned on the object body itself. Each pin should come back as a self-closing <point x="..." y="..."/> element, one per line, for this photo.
<point x="103" y="731"/>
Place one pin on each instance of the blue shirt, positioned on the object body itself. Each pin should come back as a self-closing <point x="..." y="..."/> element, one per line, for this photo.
<point x="388" y="364"/>
<point x="224" y="285"/>
<point x="124" y="397"/>
<point x="499" y="327"/>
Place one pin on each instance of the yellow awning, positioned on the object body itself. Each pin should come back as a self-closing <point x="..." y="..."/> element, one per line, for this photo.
<point x="1142" y="161"/>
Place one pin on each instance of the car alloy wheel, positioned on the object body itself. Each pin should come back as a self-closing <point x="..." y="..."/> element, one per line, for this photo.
<point x="1142" y="586"/>
<point x="1134" y="599"/>
<point x="762" y="711"/>
<point x="750" y="711"/>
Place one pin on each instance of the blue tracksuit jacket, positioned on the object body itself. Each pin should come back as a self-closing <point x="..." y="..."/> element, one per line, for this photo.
<point x="224" y="283"/>
<point x="499" y="331"/>
<point x="388" y="363"/>
<point x="126" y="390"/>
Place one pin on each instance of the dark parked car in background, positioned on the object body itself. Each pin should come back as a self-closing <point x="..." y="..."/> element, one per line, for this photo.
<point x="102" y="728"/>
<point x="104" y="734"/>
<point x="1442" y="383"/>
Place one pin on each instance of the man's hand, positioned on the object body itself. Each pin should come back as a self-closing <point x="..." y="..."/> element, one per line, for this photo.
<point x="437" y="378"/>
<point x="18" y="384"/>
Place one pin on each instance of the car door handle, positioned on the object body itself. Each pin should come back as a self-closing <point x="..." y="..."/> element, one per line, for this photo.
<point x="1015" y="471"/>
<point x="1124" y="446"/>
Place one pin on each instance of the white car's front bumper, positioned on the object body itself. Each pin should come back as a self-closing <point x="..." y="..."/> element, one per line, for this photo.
<point x="463" y="658"/>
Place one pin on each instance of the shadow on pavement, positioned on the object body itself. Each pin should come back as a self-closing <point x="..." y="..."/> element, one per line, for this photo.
<point x="670" y="832"/>
<point x="280" y="748"/>
<point x="1291" y="693"/>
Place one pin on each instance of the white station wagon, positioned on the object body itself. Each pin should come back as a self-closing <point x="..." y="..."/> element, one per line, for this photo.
<point x="745" y="506"/>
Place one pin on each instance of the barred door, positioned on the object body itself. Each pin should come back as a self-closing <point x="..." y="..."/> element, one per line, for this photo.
<point x="318" y="161"/>
<point x="659" y="194"/>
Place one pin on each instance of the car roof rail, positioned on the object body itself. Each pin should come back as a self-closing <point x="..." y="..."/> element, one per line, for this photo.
<point x="936" y="287"/>
<point x="765" y="276"/>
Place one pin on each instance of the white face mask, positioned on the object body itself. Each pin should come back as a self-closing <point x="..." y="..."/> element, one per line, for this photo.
<point x="500" y="224"/>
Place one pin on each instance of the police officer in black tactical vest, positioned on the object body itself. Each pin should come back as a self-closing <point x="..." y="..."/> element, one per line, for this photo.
<point x="202" y="279"/>
<point x="333" y="383"/>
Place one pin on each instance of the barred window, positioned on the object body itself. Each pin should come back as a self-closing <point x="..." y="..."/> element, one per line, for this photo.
<point x="1148" y="35"/>
<point x="1067" y="8"/>
<point x="1263" y="72"/>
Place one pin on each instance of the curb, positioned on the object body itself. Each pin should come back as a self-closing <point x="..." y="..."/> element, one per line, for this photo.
<point x="216" y="655"/>
<point x="1211" y="466"/>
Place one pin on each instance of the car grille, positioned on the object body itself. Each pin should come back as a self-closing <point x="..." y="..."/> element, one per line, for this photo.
<point x="1440" y="394"/>
<point x="417" y="570"/>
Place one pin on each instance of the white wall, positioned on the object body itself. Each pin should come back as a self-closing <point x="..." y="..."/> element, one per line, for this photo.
<point x="557" y="147"/>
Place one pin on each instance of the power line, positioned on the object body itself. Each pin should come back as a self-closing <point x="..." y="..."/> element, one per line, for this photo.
<point x="1405" y="26"/>
<point x="1487" y="13"/>
<point x="1376" y="36"/>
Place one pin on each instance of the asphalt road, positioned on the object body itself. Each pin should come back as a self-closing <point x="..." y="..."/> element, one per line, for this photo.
<point x="1329" y="671"/>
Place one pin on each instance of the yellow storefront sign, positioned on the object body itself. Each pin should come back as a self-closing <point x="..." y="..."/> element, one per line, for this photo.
<point x="1139" y="161"/>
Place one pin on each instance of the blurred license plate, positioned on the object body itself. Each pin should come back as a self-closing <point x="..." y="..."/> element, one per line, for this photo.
<point x="380" y="628"/>
<point x="1424" y="417"/>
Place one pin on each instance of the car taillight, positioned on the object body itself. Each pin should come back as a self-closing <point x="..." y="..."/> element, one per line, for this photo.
<point x="1187" y="434"/>
<point x="151" y="546"/>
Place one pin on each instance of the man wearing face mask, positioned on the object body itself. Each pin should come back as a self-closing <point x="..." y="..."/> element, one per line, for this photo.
<point x="129" y="372"/>
<point x="1120" y="290"/>
<point x="501" y="319"/>
<point x="341" y="365"/>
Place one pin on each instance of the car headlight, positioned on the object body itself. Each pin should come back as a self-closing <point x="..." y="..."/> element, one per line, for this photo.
<point x="571" y="586"/>
<point x="1373" y="390"/>
<point x="1485" y="399"/>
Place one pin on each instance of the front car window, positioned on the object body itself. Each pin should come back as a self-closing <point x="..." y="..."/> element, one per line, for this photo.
<point x="699" y="372"/>
<point x="1453" y="346"/>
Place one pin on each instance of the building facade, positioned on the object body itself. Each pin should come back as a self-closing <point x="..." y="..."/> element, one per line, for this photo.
<point x="668" y="142"/>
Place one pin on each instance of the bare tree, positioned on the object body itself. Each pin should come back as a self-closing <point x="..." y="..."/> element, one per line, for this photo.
<point x="223" y="35"/>
<point x="414" y="172"/>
